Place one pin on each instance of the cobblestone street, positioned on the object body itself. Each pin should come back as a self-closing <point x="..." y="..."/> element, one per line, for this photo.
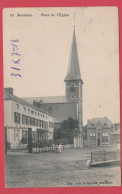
<point x="57" y="170"/>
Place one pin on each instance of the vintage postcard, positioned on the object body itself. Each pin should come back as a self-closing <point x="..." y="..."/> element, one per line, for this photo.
<point x="61" y="97"/>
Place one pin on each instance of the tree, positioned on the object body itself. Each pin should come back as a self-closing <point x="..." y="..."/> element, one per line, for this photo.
<point x="68" y="129"/>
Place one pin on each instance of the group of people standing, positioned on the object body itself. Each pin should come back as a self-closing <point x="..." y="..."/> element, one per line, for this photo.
<point x="57" y="148"/>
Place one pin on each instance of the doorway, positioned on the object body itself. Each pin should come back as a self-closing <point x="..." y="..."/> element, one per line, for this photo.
<point x="98" y="140"/>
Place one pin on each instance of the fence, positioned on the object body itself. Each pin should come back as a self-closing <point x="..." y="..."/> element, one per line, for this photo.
<point x="51" y="148"/>
<point x="103" y="156"/>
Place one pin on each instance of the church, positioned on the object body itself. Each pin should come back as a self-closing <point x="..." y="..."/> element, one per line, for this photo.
<point x="70" y="105"/>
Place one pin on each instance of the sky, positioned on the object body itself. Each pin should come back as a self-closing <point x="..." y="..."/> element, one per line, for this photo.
<point x="44" y="42"/>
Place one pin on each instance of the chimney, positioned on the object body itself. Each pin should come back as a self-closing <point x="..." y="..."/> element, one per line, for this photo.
<point x="9" y="90"/>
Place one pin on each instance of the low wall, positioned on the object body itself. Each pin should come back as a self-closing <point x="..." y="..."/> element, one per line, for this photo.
<point x="51" y="149"/>
<point x="68" y="146"/>
<point x="23" y="146"/>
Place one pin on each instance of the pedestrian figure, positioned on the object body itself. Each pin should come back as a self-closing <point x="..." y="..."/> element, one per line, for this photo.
<point x="57" y="148"/>
<point x="60" y="148"/>
<point x="53" y="147"/>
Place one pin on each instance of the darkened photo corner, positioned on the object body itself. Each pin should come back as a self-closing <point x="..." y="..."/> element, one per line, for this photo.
<point x="61" y="97"/>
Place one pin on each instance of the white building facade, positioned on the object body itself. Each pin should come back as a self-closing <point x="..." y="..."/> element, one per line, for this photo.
<point x="19" y="116"/>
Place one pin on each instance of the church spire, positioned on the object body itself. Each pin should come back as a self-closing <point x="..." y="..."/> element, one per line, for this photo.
<point x="73" y="68"/>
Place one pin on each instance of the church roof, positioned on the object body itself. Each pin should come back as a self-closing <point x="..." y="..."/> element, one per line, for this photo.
<point x="73" y="68"/>
<point x="47" y="99"/>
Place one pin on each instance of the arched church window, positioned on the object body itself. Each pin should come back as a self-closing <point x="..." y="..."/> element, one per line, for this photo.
<point x="72" y="85"/>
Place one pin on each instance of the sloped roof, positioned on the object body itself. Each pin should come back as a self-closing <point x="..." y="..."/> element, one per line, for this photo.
<point x="94" y="122"/>
<point x="73" y="68"/>
<point x="47" y="99"/>
<point x="8" y="96"/>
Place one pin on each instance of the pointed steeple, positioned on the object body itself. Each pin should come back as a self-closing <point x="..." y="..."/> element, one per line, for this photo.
<point x="73" y="68"/>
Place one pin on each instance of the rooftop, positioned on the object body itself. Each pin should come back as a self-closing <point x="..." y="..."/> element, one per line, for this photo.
<point x="10" y="96"/>
<point x="47" y="99"/>
<point x="104" y="121"/>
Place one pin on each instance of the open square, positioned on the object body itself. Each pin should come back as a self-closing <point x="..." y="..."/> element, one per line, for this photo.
<point x="57" y="170"/>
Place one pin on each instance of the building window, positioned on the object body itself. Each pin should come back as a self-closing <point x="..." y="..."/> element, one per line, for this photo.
<point x="105" y="134"/>
<point x="46" y="125"/>
<point x="39" y="123"/>
<point x="17" y="118"/>
<point x="24" y="108"/>
<point x="105" y="137"/>
<point x="38" y="114"/>
<point x="92" y="136"/>
<point x="72" y="97"/>
<point x="36" y="122"/>
<point x="42" y="124"/>
<point x="35" y="113"/>
<point x="43" y="116"/>
<point x="31" y="121"/>
<point x="23" y="119"/>
<point x="50" y="124"/>
<point x="28" y="110"/>
<point x="33" y="135"/>
<point x="17" y="106"/>
<point x="24" y="136"/>
<point x="27" y="120"/>
<point x="31" y="111"/>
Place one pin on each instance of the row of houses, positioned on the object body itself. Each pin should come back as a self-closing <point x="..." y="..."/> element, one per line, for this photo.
<point x="19" y="116"/>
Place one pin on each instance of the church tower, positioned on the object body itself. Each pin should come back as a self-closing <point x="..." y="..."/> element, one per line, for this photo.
<point x="73" y="87"/>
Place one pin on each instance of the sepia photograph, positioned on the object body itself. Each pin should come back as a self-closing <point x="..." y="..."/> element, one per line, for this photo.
<point x="61" y="97"/>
